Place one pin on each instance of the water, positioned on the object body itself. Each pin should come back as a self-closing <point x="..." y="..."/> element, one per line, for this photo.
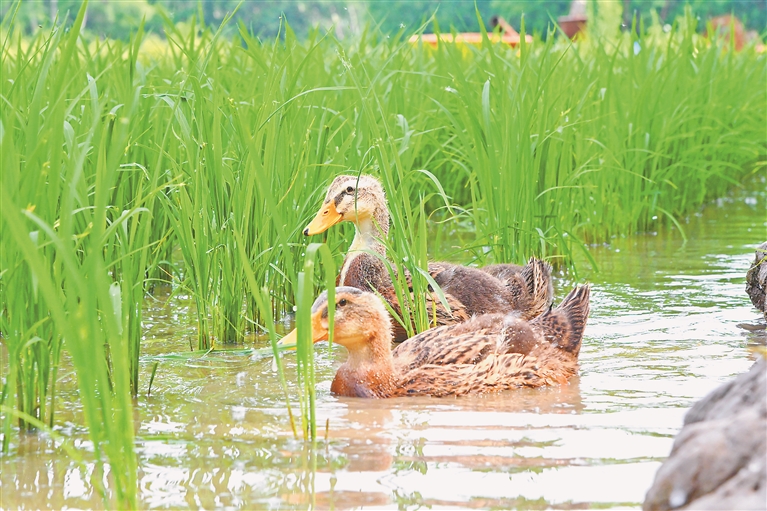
<point x="663" y="332"/>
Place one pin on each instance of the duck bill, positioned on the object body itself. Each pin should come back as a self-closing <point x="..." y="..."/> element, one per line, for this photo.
<point x="327" y="217"/>
<point x="319" y="333"/>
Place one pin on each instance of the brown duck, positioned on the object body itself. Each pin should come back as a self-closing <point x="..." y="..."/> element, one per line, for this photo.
<point x="487" y="353"/>
<point x="469" y="291"/>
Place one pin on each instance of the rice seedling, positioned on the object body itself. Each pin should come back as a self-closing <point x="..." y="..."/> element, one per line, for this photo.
<point x="305" y="344"/>
<point x="62" y="224"/>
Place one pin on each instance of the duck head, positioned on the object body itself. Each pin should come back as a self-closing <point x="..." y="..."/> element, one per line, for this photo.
<point x="359" y="199"/>
<point x="362" y="323"/>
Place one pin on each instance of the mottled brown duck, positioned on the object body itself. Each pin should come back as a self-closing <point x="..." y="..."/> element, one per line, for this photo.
<point x="470" y="291"/>
<point x="487" y="353"/>
<point x="756" y="279"/>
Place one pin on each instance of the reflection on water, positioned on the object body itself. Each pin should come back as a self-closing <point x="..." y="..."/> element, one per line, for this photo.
<point x="663" y="332"/>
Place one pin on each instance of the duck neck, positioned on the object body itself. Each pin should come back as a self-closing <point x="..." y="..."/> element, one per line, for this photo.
<point x="363" y="270"/>
<point x="375" y="354"/>
<point x="368" y="372"/>
<point x="370" y="230"/>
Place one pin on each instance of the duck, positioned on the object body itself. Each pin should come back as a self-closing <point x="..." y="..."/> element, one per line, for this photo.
<point x="756" y="279"/>
<point x="469" y="291"/>
<point x="485" y="354"/>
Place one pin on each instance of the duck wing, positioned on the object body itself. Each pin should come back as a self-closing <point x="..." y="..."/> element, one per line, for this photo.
<point x="499" y="288"/>
<point x="478" y="291"/>
<point x="502" y="271"/>
<point x="544" y="366"/>
<point x="464" y="343"/>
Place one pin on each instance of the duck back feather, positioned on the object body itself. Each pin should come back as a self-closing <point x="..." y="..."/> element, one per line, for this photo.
<point x="497" y="334"/>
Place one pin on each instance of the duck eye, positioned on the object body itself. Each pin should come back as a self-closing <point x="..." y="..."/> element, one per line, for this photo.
<point x="349" y="189"/>
<point x="342" y="302"/>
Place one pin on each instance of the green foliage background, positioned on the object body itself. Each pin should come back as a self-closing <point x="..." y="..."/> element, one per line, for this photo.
<point x="115" y="19"/>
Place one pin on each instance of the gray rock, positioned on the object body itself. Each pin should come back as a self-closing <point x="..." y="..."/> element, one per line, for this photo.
<point x="719" y="458"/>
<point x="744" y="392"/>
<point x="756" y="279"/>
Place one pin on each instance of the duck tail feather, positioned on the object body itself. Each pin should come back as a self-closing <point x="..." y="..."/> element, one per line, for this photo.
<point x="563" y="326"/>
<point x="537" y="276"/>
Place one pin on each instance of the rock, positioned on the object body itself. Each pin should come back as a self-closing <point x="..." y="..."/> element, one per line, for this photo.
<point x="756" y="279"/>
<point x="719" y="458"/>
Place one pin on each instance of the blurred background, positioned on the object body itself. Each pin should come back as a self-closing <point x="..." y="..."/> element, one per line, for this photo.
<point x="116" y="19"/>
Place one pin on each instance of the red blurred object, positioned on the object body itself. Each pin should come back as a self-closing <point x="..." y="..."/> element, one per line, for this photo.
<point x="728" y="27"/>
<point x="572" y="25"/>
<point x="576" y="20"/>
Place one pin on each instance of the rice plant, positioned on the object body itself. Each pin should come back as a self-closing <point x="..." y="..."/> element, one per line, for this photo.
<point x="62" y="225"/>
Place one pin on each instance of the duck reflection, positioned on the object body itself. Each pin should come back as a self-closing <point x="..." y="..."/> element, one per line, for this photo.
<point x="369" y="441"/>
<point x="358" y="447"/>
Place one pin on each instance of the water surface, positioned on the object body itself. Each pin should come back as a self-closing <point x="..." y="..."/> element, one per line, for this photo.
<point x="214" y="433"/>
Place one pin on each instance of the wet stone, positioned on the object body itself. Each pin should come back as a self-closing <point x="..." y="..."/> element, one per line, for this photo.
<point x="719" y="458"/>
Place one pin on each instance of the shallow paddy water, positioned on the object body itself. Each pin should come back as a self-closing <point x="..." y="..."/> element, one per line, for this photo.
<point x="215" y="433"/>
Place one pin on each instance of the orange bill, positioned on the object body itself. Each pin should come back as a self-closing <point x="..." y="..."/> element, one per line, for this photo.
<point x="319" y="332"/>
<point x="327" y="217"/>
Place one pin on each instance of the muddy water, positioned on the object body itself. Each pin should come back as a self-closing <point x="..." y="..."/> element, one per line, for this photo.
<point x="214" y="433"/>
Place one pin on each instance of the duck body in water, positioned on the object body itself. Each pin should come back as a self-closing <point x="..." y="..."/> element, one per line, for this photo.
<point x="469" y="291"/>
<point x="487" y="353"/>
